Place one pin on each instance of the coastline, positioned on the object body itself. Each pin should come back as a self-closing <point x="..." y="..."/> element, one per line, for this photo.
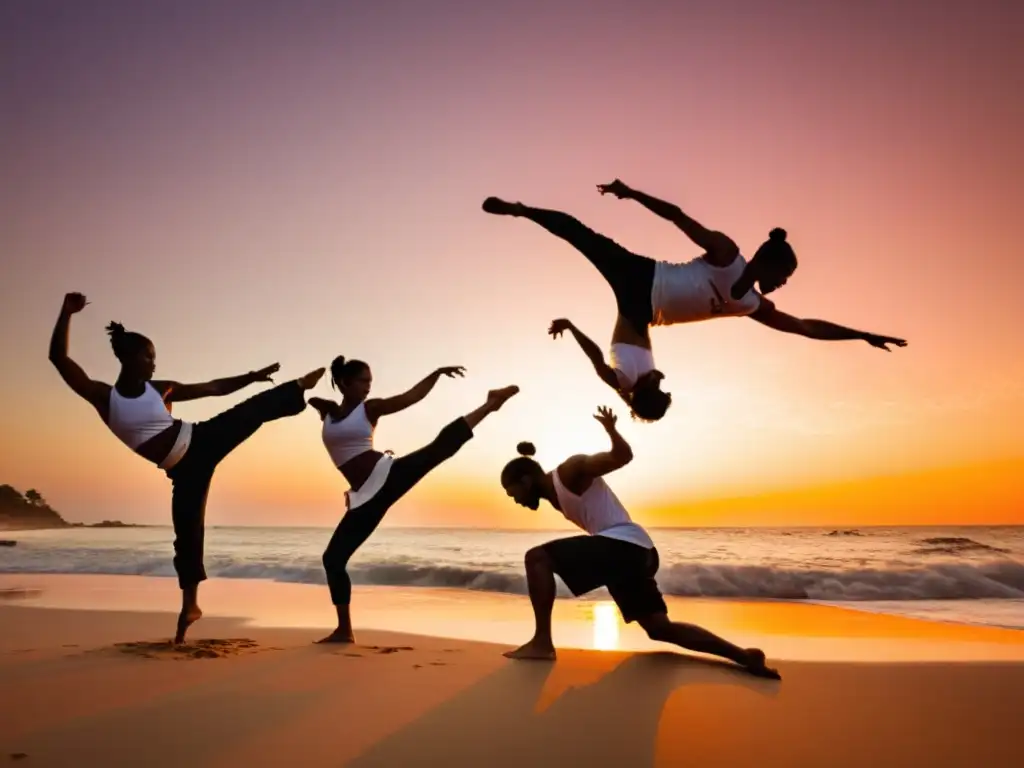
<point x="98" y="685"/>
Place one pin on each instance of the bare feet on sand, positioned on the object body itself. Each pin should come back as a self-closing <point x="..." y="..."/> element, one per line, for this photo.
<point x="338" y="636"/>
<point x="186" y="619"/>
<point x="310" y="379"/>
<point x="500" y="207"/>
<point x="533" y="650"/>
<point x="498" y="397"/>
<point x="756" y="665"/>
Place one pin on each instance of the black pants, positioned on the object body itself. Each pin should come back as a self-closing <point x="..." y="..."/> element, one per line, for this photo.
<point x="357" y="524"/>
<point x="630" y="276"/>
<point x="212" y="440"/>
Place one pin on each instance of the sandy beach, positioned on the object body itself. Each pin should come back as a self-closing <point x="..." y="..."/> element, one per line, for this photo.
<point x="103" y="687"/>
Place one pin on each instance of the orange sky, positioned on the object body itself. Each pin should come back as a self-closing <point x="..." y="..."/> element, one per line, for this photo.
<point x="269" y="186"/>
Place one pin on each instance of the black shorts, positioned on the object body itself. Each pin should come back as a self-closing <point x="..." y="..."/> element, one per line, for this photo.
<point x="586" y="563"/>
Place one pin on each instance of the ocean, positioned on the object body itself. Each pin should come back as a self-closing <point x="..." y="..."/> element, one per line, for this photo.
<point x="971" y="575"/>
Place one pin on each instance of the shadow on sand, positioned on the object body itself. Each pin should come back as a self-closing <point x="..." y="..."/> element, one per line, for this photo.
<point x="613" y="721"/>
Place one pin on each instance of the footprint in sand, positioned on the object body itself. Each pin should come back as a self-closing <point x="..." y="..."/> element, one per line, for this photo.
<point x="18" y="755"/>
<point x="389" y="648"/>
<point x="212" y="648"/>
<point x="438" y="664"/>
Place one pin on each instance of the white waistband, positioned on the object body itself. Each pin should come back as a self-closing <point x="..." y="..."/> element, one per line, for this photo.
<point x="378" y="476"/>
<point x="181" y="444"/>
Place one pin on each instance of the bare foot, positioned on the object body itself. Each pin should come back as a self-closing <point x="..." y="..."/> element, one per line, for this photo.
<point x="497" y="397"/>
<point x="756" y="665"/>
<point x="186" y="619"/>
<point x="533" y="650"/>
<point x="310" y="379"/>
<point x="339" y="636"/>
<point x="500" y="207"/>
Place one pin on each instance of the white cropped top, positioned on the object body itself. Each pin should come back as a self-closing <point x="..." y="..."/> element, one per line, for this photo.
<point x="348" y="437"/>
<point x="134" y="420"/>
<point x="630" y="362"/>
<point x="599" y="512"/>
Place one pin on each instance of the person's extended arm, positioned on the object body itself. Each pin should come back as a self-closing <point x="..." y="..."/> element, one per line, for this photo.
<point x="590" y="349"/>
<point x="93" y="391"/>
<point x="176" y="392"/>
<point x="620" y="455"/>
<point x="388" y="405"/>
<point x="720" y="248"/>
<point x="821" y="330"/>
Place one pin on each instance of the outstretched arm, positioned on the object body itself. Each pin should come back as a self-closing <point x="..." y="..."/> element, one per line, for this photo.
<point x="388" y="405"/>
<point x="324" y="407"/>
<point x="590" y="349"/>
<point x="93" y="391"/>
<point x="822" y="330"/>
<point x="176" y="392"/>
<point x="720" y="248"/>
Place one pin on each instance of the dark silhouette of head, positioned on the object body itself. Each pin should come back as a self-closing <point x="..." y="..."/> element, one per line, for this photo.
<point x="352" y="378"/>
<point x="646" y="400"/>
<point x="774" y="262"/>
<point x="522" y="477"/>
<point x="134" y="351"/>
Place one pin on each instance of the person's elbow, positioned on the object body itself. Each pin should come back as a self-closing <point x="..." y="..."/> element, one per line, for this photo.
<point x="624" y="455"/>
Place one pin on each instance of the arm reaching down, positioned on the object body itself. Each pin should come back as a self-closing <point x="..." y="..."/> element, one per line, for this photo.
<point x="719" y="248"/>
<point x="95" y="392"/>
<point x="590" y="349"/>
<point x="176" y="392"/>
<point x="388" y="405"/>
<point x="821" y="330"/>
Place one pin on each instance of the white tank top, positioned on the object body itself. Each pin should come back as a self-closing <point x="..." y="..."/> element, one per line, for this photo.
<point x="599" y="512"/>
<point x="136" y="419"/>
<point x="630" y="362"/>
<point x="696" y="290"/>
<point x="349" y="437"/>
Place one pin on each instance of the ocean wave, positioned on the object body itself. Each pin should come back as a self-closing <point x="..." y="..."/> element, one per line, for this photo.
<point x="993" y="579"/>
<point x="954" y="545"/>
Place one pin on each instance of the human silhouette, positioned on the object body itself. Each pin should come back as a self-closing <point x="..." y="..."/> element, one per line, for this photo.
<point x="615" y="552"/>
<point x="719" y="283"/>
<point x="137" y="409"/>
<point x="376" y="480"/>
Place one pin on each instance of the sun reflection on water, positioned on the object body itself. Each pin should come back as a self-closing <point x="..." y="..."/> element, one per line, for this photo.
<point x="606" y="626"/>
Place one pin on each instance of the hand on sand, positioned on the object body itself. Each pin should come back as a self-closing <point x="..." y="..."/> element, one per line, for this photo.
<point x="266" y="374"/>
<point x="616" y="188"/>
<point x="74" y="302"/>
<point x="882" y="341"/>
<point x="606" y="418"/>
<point x="452" y="371"/>
<point x="558" y="327"/>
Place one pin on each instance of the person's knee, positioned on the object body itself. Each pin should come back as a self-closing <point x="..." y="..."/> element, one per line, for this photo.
<point x="537" y="557"/>
<point x="657" y="625"/>
<point x="333" y="560"/>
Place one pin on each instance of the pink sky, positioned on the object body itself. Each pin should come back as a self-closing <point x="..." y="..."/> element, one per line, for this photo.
<point x="269" y="182"/>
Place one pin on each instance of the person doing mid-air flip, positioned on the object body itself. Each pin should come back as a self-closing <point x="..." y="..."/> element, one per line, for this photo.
<point x="719" y="283"/>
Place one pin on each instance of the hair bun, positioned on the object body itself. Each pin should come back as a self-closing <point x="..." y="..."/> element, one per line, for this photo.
<point x="115" y="329"/>
<point x="339" y="360"/>
<point x="526" y="448"/>
<point x="778" y="234"/>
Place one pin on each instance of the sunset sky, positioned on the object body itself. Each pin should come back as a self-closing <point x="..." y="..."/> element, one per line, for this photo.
<point x="251" y="182"/>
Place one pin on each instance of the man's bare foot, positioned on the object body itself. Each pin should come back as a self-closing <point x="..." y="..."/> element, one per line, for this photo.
<point x="186" y="619"/>
<point x="310" y="379"/>
<point x="533" y="650"/>
<point x="756" y="665"/>
<point x="339" y="636"/>
<point x="500" y="207"/>
<point x="498" y="397"/>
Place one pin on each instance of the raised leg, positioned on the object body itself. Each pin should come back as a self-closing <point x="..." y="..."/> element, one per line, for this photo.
<point x="540" y="580"/>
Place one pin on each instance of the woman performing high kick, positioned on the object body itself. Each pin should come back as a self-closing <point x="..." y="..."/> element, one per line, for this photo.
<point x="137" y="410"/>
<point x="615" y="552"/>
<point x="377" y="480"/>
<point x="719" y="283"/>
